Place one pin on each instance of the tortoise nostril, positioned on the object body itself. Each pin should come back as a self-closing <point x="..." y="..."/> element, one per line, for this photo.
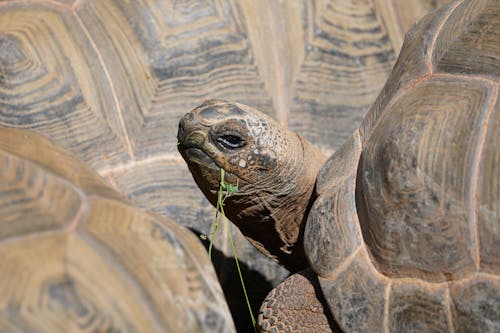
<point x="182" y="128"/>
<point x="186" y="122"/>
<point x="188" y="116"/>
<point x="181" y="132"/>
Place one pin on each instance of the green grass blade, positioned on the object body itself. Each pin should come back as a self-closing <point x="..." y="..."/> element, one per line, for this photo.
<point x="215" y="223"/>
<point x="221" y="196"/>
<point x="233" y="247"/>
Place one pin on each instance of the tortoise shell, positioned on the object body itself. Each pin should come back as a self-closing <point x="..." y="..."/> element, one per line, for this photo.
<point x="108" y="81"/>
<point x="405" y="234"/>
<point x="76" y="257"/>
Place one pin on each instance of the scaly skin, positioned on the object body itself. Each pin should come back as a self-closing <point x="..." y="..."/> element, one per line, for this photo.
<point x="286" y="310"/>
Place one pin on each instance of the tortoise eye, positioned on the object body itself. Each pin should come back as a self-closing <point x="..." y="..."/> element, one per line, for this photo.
<point x="231" y="141"/>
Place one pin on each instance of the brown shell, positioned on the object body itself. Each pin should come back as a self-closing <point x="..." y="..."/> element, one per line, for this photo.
<point x="76" y="257"/>
<point x="408" y="217"/>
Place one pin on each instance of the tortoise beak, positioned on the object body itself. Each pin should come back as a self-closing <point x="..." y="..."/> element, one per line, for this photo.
<point x="189" y="133"/>
<point x="193" y="135"/>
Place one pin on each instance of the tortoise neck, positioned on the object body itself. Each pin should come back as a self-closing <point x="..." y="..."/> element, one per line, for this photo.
<point x="272" y="213"/>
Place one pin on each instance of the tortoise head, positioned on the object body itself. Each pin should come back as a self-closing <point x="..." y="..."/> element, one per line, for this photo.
<point x="231" y="136"/>
<point x="274" y="168"/>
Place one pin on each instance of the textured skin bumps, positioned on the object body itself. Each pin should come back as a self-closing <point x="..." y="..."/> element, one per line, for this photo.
<point x="285" y="310"/>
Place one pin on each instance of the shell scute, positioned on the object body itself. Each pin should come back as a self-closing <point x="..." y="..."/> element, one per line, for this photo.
<point x="468" y="41"/>
<point x="475" y="304"/>
<point x="356" y="295"/>
<point x="416" y="180"/>
<point x="412" y="64"/>
<point x="488" y="196"/>
<point x="418" y="308"/>
<point x="332" y="230"/>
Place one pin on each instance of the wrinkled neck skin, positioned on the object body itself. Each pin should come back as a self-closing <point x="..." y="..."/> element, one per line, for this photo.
<point x="271" y="211"/>
<point x="275" y="173"/>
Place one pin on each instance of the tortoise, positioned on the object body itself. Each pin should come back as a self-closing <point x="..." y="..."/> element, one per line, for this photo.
<point x="400" y="227"/>
<point x="108" y="81"/>
<point x="75" y="256"/>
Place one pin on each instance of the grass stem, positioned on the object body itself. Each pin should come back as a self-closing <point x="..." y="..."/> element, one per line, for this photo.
<point x="225" y="190"/>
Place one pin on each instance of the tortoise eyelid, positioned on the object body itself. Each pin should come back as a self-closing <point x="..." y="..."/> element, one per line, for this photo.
<point x="231" y="140"/>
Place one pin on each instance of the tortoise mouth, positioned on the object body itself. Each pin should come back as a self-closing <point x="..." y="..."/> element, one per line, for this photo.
<point x="195" y="155"/>
<point x="203" y="169"/>
<point x="203" y="154"/>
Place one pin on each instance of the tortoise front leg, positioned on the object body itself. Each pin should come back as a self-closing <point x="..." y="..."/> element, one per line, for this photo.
<point x="296" y="305"/>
